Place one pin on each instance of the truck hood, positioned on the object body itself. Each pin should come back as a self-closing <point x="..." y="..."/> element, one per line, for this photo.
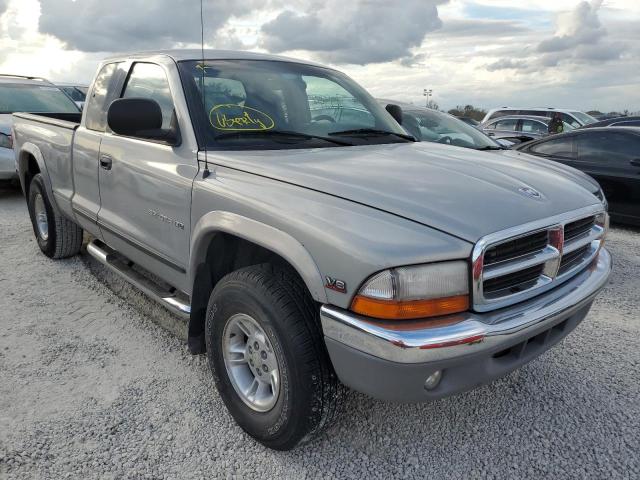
<point x="463" y="192"/>
<point x="576" y="175"/>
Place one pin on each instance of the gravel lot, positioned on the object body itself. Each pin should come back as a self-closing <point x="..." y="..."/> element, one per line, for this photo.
<point x="92" y="386"/>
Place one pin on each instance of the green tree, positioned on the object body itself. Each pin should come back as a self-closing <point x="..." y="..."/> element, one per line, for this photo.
<point x="468" y="111"/>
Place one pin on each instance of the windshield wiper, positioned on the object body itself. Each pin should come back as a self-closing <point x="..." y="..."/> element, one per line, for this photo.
<point x="280" y="133"/>
<point x="372" y="131"/>
<point x="491" y="147"/>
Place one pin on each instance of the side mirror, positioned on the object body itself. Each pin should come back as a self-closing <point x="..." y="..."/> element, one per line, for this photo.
<point x="395" y="111"/>
<point x="139" y="117"/>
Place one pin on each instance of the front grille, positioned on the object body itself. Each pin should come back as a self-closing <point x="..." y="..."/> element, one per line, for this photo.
<point x="516" y="248"/>
<point x="572" y="259"/>
<point x="515" y="281"/>
<point x="577" y="228"/>
<point x="516" y="267"/>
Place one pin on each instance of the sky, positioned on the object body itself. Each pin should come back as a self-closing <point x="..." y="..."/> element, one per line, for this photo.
<point x="565" y="53"/>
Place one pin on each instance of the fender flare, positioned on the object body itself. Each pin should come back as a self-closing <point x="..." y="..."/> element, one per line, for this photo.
<point x="29" y="148"/>
<point x="261" y="234"/>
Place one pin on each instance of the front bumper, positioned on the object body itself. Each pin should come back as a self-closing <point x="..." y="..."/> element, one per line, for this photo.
<point x="7" y="164"/>
<point x="391" y="360"/>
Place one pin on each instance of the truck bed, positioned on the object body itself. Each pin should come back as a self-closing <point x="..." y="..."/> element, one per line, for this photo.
<point x="48" y="138"/>
<point x="66" y="120"/>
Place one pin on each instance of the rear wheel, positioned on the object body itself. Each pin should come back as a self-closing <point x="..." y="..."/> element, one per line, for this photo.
<point x="57" y="236"/>
<point x="268" y="357"/>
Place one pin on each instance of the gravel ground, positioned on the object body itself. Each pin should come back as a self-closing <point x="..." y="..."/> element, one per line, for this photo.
<point x="96" y="382"/>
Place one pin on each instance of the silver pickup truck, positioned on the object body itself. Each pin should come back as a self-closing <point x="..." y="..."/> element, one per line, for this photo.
<point x="308" y="239"/>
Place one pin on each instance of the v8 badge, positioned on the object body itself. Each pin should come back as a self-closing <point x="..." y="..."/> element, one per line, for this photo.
<point x="335" y="284"/>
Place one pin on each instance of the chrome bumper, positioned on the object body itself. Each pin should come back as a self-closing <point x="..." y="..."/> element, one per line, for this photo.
<point x="456" y="336"/>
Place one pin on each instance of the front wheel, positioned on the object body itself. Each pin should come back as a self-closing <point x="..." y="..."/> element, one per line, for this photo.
<point x="57" y="236"/>
<point x="268" y="357"/>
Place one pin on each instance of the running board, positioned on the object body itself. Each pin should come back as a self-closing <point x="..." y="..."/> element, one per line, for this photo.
<point x="172" y="299"/>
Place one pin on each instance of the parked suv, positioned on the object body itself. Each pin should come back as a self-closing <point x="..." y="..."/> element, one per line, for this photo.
<point x="519" y="128"/>
<point x="572" y="117"/>
<point x="25" y="94"/>
<point x="306" y="243"/>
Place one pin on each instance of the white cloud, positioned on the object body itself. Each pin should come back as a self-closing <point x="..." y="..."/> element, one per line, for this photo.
<point x="118" y="25"/>
<point x="486" y="52"/>
<point x="358" y="32"/>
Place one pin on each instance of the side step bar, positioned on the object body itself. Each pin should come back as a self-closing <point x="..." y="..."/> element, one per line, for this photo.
<point x="172" y="299"/>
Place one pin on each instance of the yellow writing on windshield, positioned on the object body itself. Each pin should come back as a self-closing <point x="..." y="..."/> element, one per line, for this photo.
<point x="230" y="116"/>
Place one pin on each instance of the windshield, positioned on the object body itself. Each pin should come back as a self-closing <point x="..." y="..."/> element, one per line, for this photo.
<point x="34" y="99"/>
<point x="246" y="102"/>
<point x="431" y="126"/>
<point x="584" y="118"/>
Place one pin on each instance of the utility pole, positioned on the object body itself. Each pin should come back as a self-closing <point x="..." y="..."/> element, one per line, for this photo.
<point x="427" y="93"/>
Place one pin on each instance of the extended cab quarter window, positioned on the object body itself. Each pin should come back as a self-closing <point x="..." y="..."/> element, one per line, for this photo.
<point x="100" y="98"/>
<point x="148" y="80"/>
<point x="558" y="147"/>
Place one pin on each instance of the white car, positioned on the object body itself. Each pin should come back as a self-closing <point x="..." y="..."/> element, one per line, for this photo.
<point x="572" y="117"/>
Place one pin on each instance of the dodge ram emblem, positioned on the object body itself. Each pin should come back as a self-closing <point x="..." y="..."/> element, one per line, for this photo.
<point x="530" y="192"/>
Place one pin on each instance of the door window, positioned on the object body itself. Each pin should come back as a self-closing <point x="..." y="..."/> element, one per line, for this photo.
<point x="608" y="147"/>
<point x="557" y="147"/>
<point x="507" y="124"/>
<point x="534" y="126"/>
<point x="570" y="120"/>
<point x="102" y="93"/>
<point x="148" y="80"/>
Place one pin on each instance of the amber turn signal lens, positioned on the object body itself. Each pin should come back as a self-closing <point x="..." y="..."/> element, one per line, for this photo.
<point x="410" y="309"/>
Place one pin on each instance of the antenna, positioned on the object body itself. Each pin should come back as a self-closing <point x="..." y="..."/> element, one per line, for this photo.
<point x="206" y="172"/>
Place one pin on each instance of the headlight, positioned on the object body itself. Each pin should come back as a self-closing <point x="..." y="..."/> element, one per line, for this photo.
<point x="6" y="141"/>
<point x="415" y="292"/>
<point x="602" y="220"/>
<point x="600" y="195"/>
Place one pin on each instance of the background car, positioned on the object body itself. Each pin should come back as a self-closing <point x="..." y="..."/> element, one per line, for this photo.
<point x="78" y="93"/>
<point x="519" y="128"/>
<point x="611" y="155"/>
<point x="25" y="94"/>
<point x="428" y="125"/>
<point x="616" y="122"/>
<point x="434" y="126"/>
<point x="572" y="117"/>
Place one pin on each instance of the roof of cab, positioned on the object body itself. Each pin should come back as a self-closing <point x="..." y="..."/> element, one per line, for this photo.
<point x="179" y="55"/>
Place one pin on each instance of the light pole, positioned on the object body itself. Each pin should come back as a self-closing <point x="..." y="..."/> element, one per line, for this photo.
<point x="427" y="93"/>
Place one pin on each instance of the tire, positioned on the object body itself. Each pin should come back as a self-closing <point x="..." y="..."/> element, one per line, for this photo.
<point x="57" y="236"/>
<point x="277" y="300"/>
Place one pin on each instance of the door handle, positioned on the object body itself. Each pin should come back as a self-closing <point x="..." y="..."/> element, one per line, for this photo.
<point x="635" y="162"/>
<point x="106" y="162"/>
<point x="491" y="134"/>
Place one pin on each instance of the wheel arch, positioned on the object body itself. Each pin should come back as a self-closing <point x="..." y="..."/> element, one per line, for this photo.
<point x="223" y="242"/>
<point x="30" y="163"/>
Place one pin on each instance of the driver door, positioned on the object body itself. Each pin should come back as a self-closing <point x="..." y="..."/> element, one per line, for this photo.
<point x="145" y="186"/>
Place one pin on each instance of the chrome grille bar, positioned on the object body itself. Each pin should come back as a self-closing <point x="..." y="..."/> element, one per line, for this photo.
<point x="587" y="228"/>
